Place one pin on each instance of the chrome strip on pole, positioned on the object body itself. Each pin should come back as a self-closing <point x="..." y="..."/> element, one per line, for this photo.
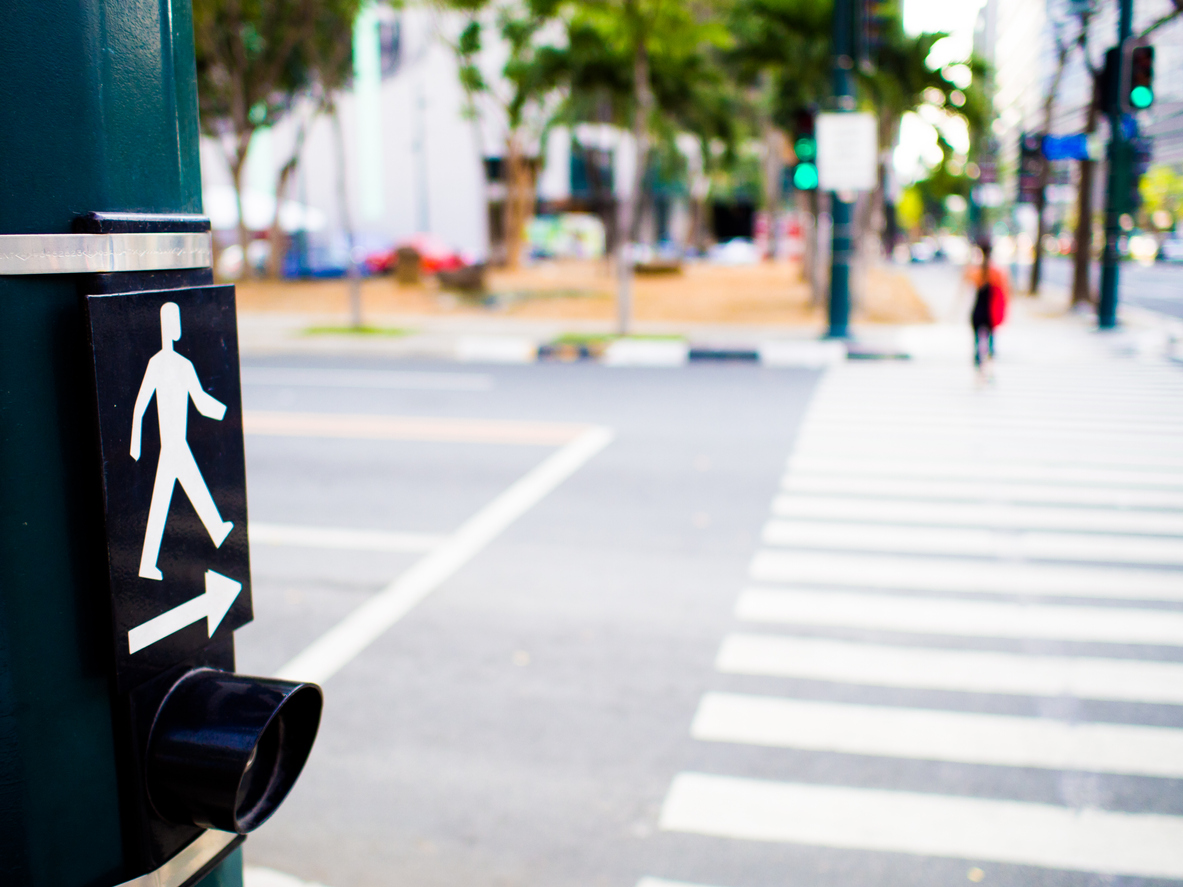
<point x="188" y="862"/>
<point x="103" y="253"/>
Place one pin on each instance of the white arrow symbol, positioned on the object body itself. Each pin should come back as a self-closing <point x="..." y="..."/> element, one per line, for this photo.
<point x="220" y="594"/>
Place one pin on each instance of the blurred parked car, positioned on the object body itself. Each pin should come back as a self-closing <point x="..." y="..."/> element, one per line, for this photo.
<point x="925" y="250"/>
<point x="1171" y="250"/>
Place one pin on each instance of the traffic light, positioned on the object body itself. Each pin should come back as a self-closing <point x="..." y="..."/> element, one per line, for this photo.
<point x="1030" y="167"/>
<point x="201" y="748"/>
<point x="805" y="147"/>
<point x="1138" y="91"/>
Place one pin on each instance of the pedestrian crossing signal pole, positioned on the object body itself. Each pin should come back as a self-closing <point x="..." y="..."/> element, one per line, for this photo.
<point x="842" y="212"/>
<point x="1118" y="184"/>
<point x="131" y="754"/>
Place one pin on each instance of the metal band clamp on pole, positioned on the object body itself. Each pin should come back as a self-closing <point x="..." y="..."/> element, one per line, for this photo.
<point x="103" y="253"/>
<point x="183" y="867"/>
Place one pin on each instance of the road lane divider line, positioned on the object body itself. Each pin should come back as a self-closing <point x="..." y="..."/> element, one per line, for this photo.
<point x="950" y="574"/>
<point x="333" y="650"/>
<point x="962" y="618"/>
<point x="342" y="538"/>
<point x="930" y="735"/>
<point x="957" y="670"/>
<point x="436" y="429"/>
<point x="1016" y="832"/>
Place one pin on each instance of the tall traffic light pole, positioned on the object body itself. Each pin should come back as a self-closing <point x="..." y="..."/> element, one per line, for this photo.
<point x="842" y="241"/>
<point x="1118" y="184"/>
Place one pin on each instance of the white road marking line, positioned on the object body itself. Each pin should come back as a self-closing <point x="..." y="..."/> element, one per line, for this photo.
<point x="995" y="515"/>
<point x="924" y="421"/>
<point x="662" y="882"/>
<point x="983" y="470"/>
<point x="413" y="380"/>
<point x="962" y="671"/>
<point x="341" y="538"/>
<point x="420" y="428"/>
<point x="920" y="488"/>
<point x="1090" y="840"/>
<point x="328" y="654"/>
<point x="1094" y="547"/>
<point x="930" y="735"/>
<point x="904" y="573"/>
<point x="989" y="619"/>
<point x="1161" y="457"/>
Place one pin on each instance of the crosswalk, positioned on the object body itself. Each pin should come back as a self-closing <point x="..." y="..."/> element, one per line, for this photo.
<point x="981" y="578"/>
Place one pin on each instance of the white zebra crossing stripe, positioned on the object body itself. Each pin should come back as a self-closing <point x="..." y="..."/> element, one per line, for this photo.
<point x="964" y="575"/>
<point x="993" y="619"/>
<point x="924" y="734"/>
<point x="984" y="514"/>
<point x="963" y="671"/>
<point x="1095" y="547"/>
<point x="983" y="491"/>
<point x="978" y="468"/>
<point x="1088" y="840"/>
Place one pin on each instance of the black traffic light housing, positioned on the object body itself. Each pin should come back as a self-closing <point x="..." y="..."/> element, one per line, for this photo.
<point x="805" y="148"/>
<point x="1137" y="93"/>
<point x="1030" y="167"/>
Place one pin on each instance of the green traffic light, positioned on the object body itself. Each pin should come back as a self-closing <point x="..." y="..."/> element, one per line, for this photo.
<point x="805" y="177"/>
<point x="805" y="149"/>
<point x="1141" y="96"/>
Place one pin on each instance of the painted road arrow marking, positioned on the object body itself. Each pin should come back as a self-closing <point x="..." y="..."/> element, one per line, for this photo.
<point x="220" y="594"/>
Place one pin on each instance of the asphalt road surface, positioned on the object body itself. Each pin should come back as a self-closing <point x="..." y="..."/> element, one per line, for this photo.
<point x="523" y="723"/>
<point x="581" y="625"/>
<point x="1158" y="287"/>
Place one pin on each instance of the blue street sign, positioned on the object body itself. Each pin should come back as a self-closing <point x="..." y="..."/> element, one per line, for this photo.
<point x="1069" y="147"/>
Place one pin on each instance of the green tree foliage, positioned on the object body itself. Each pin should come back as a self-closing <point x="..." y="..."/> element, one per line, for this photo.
<point x="521" y="90"/>
<point x="1162" y="191"/>
<point x="254" y="57"/>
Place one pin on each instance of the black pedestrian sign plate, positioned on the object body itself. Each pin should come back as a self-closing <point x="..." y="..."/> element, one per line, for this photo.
<point x="173" y="469"/>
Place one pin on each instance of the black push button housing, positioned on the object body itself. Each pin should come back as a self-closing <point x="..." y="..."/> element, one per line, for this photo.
<point x="225" y="749"/>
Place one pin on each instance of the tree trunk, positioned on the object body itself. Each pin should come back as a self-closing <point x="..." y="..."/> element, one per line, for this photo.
<point x="353" y="271"/>
<point x="519" y="199"/>
<point x="631" y="227"/>
<point x="237" y="163"/>
<point x="1082" y="260"/>
<point x="276" y="236"/>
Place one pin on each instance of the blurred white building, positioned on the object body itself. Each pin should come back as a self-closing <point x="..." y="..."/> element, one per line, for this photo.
<point x="414" y="161"/>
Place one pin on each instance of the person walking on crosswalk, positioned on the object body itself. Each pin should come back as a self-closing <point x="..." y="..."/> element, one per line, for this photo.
<point x="992" y="289"/>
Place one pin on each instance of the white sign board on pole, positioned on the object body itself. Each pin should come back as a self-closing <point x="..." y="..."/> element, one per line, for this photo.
<point x="847" y="151"/>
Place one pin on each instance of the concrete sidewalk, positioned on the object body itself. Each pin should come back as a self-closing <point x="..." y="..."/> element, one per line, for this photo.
<point x="1040" y="327"/>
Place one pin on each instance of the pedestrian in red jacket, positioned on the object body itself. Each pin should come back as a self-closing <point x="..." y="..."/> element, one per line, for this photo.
<point x="991" y="293"/>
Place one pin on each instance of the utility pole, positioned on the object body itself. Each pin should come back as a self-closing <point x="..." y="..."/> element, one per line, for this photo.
<point x="1118" y="184"/>
<point x="842" y="238"/>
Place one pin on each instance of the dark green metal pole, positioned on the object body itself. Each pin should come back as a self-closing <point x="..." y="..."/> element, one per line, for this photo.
<point x="842" y="241"/>
<point x="98" y="112"/>
<point x="1118" y="184"/>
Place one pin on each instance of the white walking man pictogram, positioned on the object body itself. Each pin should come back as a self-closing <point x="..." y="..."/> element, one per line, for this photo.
<point x="173" y="380"/>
